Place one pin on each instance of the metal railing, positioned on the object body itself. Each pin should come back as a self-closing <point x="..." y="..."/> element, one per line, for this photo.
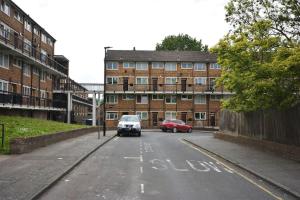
<point x="18" y="43"/>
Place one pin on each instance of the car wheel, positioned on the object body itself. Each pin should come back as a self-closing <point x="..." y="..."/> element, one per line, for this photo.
<point x="189" y="130"/>
<point x="174" y="130"/>
<point x="139" y="134"/>
<point x="119" y="134"/>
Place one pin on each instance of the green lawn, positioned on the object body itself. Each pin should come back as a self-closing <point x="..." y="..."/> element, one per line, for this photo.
<point x="16" y="127"/>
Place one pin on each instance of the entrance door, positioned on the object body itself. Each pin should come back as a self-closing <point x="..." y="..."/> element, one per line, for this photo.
<point x="183" y="84"/>
<point x="154" y="118"/>
<point x="154" y="84"/>
<point x="125" y="83"/>
<point x="212" y="119"/>
<point x="184" y="117"/>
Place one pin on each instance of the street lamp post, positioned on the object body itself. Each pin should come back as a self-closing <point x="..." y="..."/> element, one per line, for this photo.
<point x="104" y="95"/>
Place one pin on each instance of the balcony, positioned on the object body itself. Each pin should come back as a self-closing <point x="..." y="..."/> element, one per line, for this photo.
<point x="163" y="88"/>
<point x="17" y="101"/>
<point x="12" y="41"/>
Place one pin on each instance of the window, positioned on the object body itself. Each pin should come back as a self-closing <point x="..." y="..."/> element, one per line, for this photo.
<point x="5" y="8"/>
<point x="44" y="38"/>
<point x="200" y="116"/>
<point x="27" y="45"/>
<point x="26" y="70"/>
<point x="112" y="99"/>
<point x="215" y="66"/>
<point x="142" y="115"/>
<point x="170" y="115"/>
<point x="128" y="97"/>
<point x="171" y="80"/>
<point x="112" y="65"/>
<point x="157" y="97"/>
<point x="186" y="65"/>
<point x="214" y="97"/>
<point x="36" y="31"/>
<point x="4" y="60"/>
<point x="157" y="65"/>
<point x="171" y="99"/>
<point x="128" y="65"/>
<point x="111" y="115"/>
<point x="18" y="63"/>
<point x="27" y="25"/>
<point x="200" y="99"/>
<point x="185" y="97"/>
<point x="18" y="16"/>
<point x="49" y="76"/>
<point x="43" y="76"/>
<point x="43" y="56"/>
<point x="142" y="99"/>
<point x="4" y="31"/>
<point x="112" y="80"/>
<point x="170" y="67"/>
<point x="200" y="80"/>
<point x="3" y="86"/>
<point x="199" y="67"/>
<point x="26" y="91"/>
<point x="43" y="94"/>
<point x="35" y="70"/>
<point x="49" y="41"/>
<point x="141" y="66"/>
<point x="141" y="80"/>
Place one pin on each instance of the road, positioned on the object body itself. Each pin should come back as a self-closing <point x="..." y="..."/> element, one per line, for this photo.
<point x="156" y="166"/>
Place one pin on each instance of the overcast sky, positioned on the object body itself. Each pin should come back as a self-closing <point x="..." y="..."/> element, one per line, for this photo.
<point x="83" y="28"/>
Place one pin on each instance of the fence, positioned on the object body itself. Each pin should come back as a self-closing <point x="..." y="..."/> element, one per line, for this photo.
<point x="272" y="125"/>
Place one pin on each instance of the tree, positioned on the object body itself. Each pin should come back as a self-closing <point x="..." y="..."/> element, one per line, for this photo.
<point x="284" y="16"/>
<point x="181" y="42"/>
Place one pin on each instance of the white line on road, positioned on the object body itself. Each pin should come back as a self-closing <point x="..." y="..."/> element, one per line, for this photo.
<point x="142" y="189"/>
<point x="131" y="157"/>
<point x="116" y="138"/>
<point x="141" y="158"/>
<point x="141" y="170"/>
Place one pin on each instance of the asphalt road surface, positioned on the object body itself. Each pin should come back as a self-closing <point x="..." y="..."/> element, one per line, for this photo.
<point x="156" y="166"/>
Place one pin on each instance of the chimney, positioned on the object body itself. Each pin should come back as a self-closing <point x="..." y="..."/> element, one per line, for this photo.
<point x="133" y="48"/>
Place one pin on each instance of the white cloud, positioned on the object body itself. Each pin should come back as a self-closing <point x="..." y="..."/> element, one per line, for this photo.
<point x="83" y="28"/>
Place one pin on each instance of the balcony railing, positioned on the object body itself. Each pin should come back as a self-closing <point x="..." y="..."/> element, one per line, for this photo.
<point x="181" y="88"/>
<point x="15" y="99"/>
<point x="14" y="41"/>
<point x="87" y="101"/>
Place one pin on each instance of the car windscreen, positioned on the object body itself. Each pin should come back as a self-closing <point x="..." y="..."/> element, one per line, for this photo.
<point x="130" y="119"/>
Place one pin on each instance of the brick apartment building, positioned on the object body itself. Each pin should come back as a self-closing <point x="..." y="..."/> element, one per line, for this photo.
<point x="29" y="70"/>
<point x="160" y="85"/>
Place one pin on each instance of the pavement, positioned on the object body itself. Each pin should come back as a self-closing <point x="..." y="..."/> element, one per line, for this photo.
<point x="275" y="169"/>
<point x="24" y="176"/>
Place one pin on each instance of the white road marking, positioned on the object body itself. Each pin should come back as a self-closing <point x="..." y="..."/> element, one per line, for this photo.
<point x="131" y="157"/>
<point x="142" y="188"/>
<point x="116" y="138"/>
<point x="59" y="158"/>
<point x="161" y="164"/>
<point x="205" y="168"/>
<point x="176" y="169"/>
<point x="141" y="170"/>
<point x="141" y="158"/>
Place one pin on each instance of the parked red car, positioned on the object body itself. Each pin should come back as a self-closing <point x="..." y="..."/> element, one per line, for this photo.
<point x="175" y="126"/>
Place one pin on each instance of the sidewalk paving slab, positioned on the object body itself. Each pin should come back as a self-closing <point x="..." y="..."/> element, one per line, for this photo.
<point x="278" y="170"/>
<point x="23" y="176"/>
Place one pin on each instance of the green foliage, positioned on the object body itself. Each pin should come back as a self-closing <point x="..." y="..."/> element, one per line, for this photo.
<point x="22" y="127"/>
<point x="181" y="42"/>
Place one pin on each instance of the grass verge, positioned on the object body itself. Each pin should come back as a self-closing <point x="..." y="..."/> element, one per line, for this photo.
<point x="23" y="127"/>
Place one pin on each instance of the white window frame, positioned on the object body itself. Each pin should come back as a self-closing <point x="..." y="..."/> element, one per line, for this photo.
<point x="126" y="97"/>
<point x="43" y="55"/>
<point x="44" y="38"/>
<point x="18" y="63"/>
<point x="26" y="90"/>
<point x="171" y="97"/>
<point x="158" y="65"/>
<point x="171" y="113"/>
<point x="187" y="97"/>
<point x="43" y="76"/>
<point x="35" y="70"/>
<point x="3" y="86"/>
<point x="36" y="31"/>
<point x="112" y="80"/>
<point x="27" y="45"/>
<point x="110" y="97"/>
<point x="43" y="94"/>
<point x="27" y="25"/>
<point x="18" y="16"/>
<point x="214" y="66"/>
<point x="5" y="7"/>
<point x="142" y="114"/>
<point x="200" y="116"/>
<point x="5" y="31"/>
<point x="26" y="70"/>
<point x="142" y="96"/>
<point x="114" y="116"/>
<point x="129" y="65"/>
<point x="202" y="97"/>
<point x="138" y="80"/>
<point x="184" y="65"/>
<point x="111" y="65"/>
<point x="203" y="66"/>
<point x="202" y="82"/>
<point x="4" y="61"/>
<point x="141" y="66"/>
<point x="159" y="97"/>
<point x="49" y="41"/>
<point x="168" y="82"/>
<point x="168" y="66"/>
